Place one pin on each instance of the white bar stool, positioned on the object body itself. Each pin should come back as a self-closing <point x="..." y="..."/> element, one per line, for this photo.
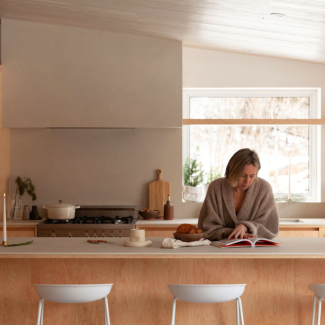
<point x="214" y="293"/>
<point x="72" y="293"/>
<point x="319" y="292"/>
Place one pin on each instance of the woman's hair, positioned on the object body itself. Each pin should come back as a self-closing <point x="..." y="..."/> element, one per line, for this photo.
<point x="238" y="162"/>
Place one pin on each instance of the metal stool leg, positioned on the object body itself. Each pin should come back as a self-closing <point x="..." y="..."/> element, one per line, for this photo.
<point x="173" y="312"/>
<point x="237" y="311"/>
<point x="314" y="309"/>
<point x="106" y="312"/>
<point x="241" y="311"/>
<point x="40" y="311"/>
<point x="319" y="310"/>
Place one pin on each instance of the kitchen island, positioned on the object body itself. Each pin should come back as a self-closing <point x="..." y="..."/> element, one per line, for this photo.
<point x="277" y="280"/>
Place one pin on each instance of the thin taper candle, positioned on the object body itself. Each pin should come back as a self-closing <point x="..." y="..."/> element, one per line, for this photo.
<point x="4" y="239"/>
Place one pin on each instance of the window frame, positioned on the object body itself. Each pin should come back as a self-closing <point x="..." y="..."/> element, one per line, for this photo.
<point x="314" y="95"/>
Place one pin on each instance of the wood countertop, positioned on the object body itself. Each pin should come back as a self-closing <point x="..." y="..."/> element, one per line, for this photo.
<point x="306" y="248"/>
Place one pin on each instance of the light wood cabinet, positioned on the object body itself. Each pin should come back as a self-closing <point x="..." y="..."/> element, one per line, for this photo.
<point x="322" y="232"/>
<point x="285" y="231"/>
<point x="20" y="231"/>
<point x="158" y="231"/>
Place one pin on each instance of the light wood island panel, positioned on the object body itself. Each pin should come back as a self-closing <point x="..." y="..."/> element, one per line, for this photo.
<point x="276" y="293"/>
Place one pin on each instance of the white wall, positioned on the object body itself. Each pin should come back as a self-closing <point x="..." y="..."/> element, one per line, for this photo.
<point x="209" y="69"/>
<point x="58" y="76"/>
<point x="96" y="167"/>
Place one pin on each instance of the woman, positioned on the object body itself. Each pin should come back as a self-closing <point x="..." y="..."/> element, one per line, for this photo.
<point x="240" y="205"/>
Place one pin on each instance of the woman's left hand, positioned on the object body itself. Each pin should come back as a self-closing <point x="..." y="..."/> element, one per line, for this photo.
<point x="239" y="232"/>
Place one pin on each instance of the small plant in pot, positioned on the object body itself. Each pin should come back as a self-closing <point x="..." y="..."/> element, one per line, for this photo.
<point x="193" y="177"/>
<point x="22" y="185"/>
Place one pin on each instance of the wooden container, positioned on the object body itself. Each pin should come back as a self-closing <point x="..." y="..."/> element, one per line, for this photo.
<point x="168" y="210"/>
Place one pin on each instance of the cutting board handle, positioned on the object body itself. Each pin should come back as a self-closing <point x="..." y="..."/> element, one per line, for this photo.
<point x="159" y="174"/>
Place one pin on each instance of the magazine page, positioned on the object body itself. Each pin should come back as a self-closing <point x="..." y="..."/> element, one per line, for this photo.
<point x="258" y="242"/>
<point x="232" y="243"/>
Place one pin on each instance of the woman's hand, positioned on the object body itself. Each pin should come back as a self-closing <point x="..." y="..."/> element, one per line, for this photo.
<point x="239" y="232"/>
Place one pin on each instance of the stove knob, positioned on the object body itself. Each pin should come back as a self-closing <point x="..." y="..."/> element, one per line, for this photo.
<point x="120" y="234"/>
<point x="95" y="234"/>
<point x="70" y="235"/>
<point x="103" y="234"/>
<point x="87" y="235"/>
<point x="53" y="234"/>
<point x="112" y="234"/>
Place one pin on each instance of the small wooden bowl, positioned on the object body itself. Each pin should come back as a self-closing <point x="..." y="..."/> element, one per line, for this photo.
<point x="188" y="237"/>
<point x="152" y="215"/>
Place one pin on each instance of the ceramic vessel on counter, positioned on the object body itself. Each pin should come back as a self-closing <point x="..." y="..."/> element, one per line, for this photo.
<point x="61" y="211"/>
<point x="26" y="212"/>
<point x="34" y="215"/>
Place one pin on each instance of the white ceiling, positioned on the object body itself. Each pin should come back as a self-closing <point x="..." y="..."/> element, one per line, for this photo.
<point x="244" y="26"/>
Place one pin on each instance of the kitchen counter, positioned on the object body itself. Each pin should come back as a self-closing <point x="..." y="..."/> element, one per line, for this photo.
<point x="277" y="281"/>
<point x="308" y="248"/>
<point x="283" y="222"/>
<point x="12" y="222"/>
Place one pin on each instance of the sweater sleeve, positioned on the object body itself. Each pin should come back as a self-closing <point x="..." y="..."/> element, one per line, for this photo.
<point x="209" y="219"/>
<point x="266" y="221"/>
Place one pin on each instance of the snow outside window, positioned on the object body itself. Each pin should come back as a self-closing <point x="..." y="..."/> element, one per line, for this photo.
<point x="288" y="153"/>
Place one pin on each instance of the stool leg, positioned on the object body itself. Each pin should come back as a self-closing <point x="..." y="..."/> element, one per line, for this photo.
<point x="314" y="309"/>
<point x="39" y="315"/>
<point x="241" y="311"/>
<point x="319" y="310"/>
<point x="42" y="312"/>
<point x="173" y="312"/>
<point x="107" y="320"/>
<point x="237" y="311"/>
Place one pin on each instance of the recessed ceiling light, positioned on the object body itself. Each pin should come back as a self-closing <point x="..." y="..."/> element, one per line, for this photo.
<point x="277" y="14"/>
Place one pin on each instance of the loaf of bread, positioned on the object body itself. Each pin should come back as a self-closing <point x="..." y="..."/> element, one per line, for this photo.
<point x="186" y="228"/>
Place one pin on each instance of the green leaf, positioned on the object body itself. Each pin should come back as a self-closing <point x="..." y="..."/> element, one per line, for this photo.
<point x="27" y="243"/>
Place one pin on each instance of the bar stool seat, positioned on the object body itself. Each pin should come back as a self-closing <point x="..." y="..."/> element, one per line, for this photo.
<point x="72" y="293"/>
<point x="319" y="292"/>
<point x="214" y="293"/>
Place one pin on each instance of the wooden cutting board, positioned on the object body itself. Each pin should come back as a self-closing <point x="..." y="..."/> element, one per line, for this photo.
<point x="158" y="194"/>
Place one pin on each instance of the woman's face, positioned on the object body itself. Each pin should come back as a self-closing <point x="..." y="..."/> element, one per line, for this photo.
<point x="247" y="177"/>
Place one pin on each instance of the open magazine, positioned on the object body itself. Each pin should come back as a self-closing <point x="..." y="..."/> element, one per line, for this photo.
<point x="252" y="242"/>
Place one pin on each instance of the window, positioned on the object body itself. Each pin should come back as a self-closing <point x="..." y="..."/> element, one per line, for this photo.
<point x="278" y="123"/>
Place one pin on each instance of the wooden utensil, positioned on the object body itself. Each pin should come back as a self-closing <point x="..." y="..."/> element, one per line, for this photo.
<point x="158" y="194"/>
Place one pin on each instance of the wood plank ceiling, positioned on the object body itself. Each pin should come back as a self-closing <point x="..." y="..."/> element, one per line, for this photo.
<point x="293" y="29"/>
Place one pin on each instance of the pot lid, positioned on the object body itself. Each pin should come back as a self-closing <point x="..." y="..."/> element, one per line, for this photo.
<point x="61" y="205"/>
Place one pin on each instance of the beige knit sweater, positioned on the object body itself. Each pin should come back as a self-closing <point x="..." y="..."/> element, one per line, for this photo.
<point x="258" y="212"/>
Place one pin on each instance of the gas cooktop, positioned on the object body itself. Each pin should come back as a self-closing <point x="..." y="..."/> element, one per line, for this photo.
<point x="92" y="221"/>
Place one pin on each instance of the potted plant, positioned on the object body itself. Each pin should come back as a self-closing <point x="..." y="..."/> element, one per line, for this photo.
<point x="22" y="185"/>
<point x="193" y="177"/>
